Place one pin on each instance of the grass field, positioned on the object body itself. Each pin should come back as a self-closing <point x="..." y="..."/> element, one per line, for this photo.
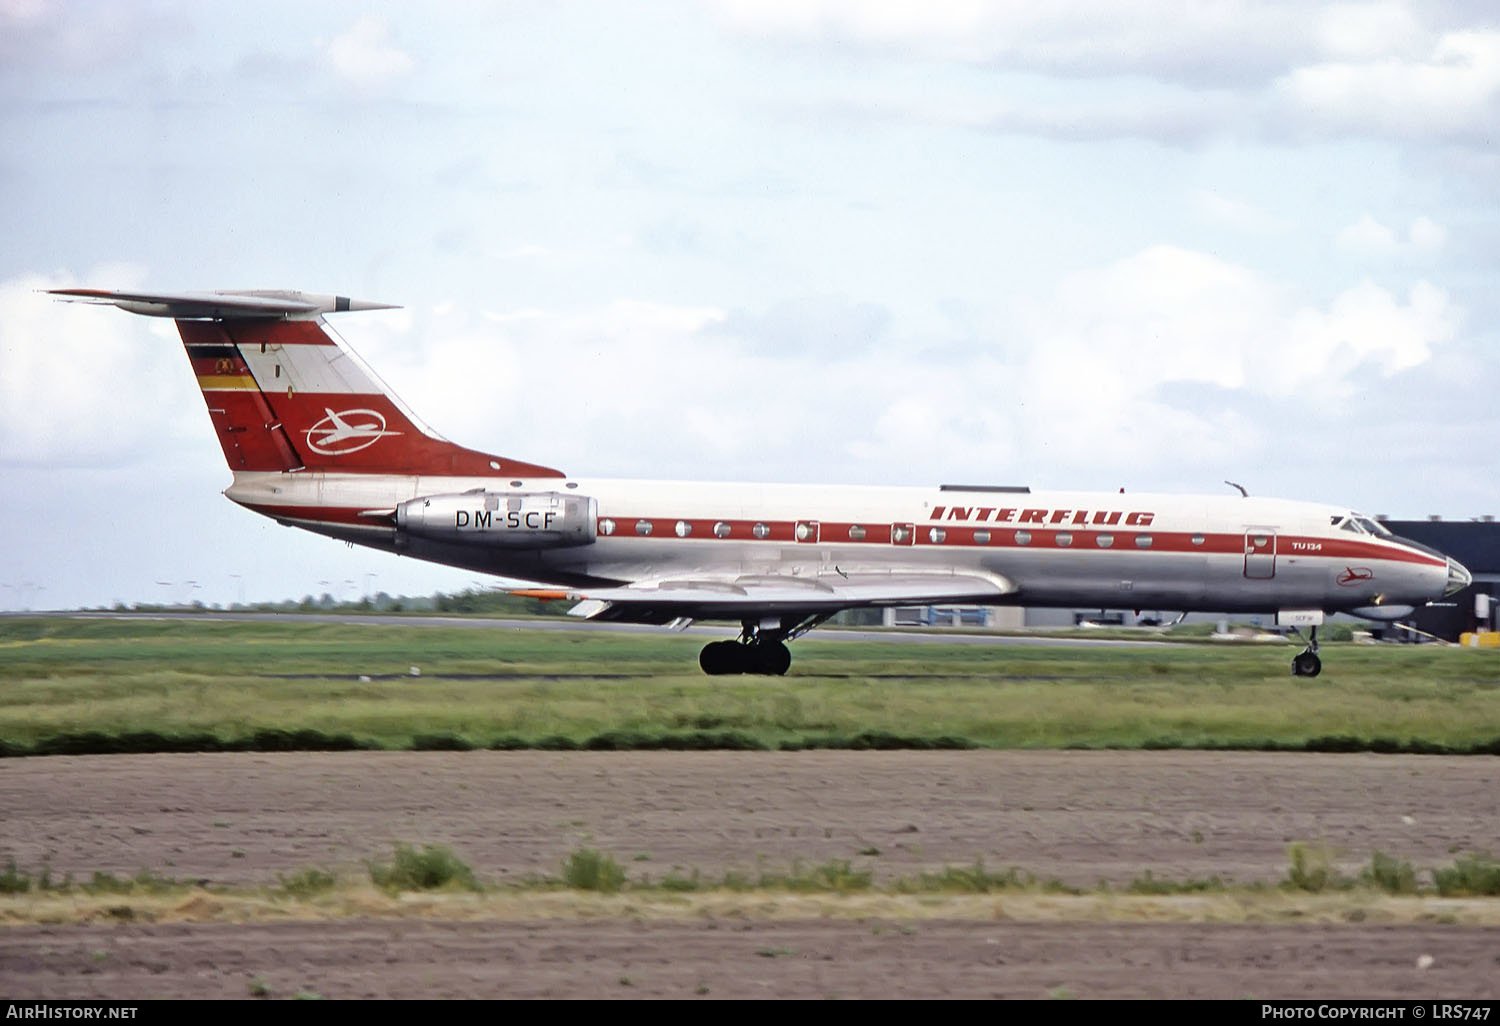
<point x="73" y="685"/>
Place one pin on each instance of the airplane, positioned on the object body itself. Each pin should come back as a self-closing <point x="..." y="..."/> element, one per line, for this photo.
<point x="315" y="441"/>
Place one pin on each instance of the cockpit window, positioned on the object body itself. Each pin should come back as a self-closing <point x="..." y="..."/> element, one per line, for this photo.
<point x="1355" y="523"/>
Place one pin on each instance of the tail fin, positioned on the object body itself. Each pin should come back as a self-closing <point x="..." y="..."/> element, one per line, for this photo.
<point x="284" y="395"/>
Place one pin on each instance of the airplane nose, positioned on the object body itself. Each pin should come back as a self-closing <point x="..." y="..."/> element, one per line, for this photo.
<point x="1459" y="577"/>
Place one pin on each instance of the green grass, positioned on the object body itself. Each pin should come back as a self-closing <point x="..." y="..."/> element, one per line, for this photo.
<point x="434" y="867"/>
<point x="588" y="870"/>
<point x="77" y="686"/>
<point x="437" y="868"/>
<point x="307" y="882"/>
<point x="1476" y="874"/>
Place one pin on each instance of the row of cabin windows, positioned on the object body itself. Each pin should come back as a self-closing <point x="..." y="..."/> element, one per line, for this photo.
<point x="683" y="529"/>
<point x="899" y="535"/>
<point x="1062" y="539"/>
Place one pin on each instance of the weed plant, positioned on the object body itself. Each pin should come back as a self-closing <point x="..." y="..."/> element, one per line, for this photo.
<point x="433" y="867"/>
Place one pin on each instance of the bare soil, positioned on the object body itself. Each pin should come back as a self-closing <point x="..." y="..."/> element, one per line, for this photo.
<point x="1080" y="817"/>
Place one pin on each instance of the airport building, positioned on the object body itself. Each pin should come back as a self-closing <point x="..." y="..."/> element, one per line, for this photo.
<point x="1475" y="544"/>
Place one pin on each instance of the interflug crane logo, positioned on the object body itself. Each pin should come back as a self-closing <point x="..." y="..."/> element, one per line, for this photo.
<point x="347" y="431"/>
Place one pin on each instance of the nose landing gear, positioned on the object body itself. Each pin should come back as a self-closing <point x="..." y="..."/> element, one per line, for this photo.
<point x="1306" y="663"/>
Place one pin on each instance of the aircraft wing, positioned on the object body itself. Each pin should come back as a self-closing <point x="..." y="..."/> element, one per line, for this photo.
<point x="744" y="596"/>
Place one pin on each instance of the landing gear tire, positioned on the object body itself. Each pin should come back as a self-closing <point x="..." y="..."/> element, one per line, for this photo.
<point x="770" y="658"/>
<point x="1306" y="664"/>
<point x="721" y="657"/>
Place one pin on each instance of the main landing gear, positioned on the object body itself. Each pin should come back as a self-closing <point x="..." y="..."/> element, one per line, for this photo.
<point x="761" y="648"/>
<point x="769" y="657"/>
<point x="1306" y="663"/>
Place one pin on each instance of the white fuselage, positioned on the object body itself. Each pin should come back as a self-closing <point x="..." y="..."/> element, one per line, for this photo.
<point x="1095" y="549"/>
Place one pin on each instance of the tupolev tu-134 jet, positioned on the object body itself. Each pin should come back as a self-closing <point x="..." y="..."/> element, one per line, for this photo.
<point x="315" y="442"/>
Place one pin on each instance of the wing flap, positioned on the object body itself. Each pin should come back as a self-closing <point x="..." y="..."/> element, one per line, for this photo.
<point x="738" y="596"/>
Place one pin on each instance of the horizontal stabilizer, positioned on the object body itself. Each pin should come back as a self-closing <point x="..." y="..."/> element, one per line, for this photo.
<point x="276" y="304"/>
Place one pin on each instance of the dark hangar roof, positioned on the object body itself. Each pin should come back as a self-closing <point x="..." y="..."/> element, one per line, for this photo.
<point x="1474" y="543"/>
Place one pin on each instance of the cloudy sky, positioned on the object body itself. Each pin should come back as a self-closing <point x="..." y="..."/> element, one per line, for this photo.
<point x="1077" y="244"/>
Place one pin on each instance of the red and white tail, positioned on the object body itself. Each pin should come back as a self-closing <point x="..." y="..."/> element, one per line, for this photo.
<point x="284" y="395"/>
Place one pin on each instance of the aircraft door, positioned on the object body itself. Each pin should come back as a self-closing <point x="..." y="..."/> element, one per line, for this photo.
<point x="1260" y="555"/>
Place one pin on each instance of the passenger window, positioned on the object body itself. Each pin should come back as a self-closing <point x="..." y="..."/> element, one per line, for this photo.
<point x="721" y="530"/>
<point x="643" y="527"/>
<point x="1104" y="541"/>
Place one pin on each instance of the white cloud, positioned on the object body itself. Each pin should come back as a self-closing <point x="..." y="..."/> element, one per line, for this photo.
<point x="20" y="12"/>
<point x="1115" y="350"/>
<point x="366" y="57"/>
<point x="1185" y="70"/>
<point x="1367" y="30"/>
<point x="1232" y="212"/>
<point x="79" y="386"/>
<point x="1368" y="237"/>
<point x="1367" y="324"/>
<point x="1171" y="314"/>
<point x="1114" y="365"/>
<point x="1452" y="91"/>
<point x="1176" y="39"/>
<point x="53" y="34"/>
<point x="1426" y="235"/>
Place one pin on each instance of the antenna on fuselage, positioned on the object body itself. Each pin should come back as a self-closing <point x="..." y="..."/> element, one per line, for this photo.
<point x="1240" y="487"/>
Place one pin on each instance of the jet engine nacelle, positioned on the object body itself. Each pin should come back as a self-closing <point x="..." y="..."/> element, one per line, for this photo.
<point x="514" y="520"/>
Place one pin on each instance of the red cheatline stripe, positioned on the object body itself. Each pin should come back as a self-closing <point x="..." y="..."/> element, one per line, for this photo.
<point x="837" y="533"/>
<point x="1124" y="539"/>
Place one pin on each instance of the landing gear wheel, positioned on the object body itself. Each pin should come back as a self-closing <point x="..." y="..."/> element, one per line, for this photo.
<point x="770" y="658"/>
<point x="721" y="657"/>
<point x="1306" y="664"/>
